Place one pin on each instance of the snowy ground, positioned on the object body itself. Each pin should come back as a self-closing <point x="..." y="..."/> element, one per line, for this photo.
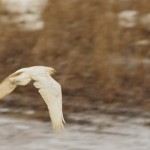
<point x="106" y="132"/>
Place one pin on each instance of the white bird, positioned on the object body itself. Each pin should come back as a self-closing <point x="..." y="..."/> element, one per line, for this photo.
<point x="49" y="89"/>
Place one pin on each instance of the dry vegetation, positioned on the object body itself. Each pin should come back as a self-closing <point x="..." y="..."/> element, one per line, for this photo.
<point x="96" y="60"/>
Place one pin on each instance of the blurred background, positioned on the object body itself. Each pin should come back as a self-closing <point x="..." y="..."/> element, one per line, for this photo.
<point x="101" y="52"/>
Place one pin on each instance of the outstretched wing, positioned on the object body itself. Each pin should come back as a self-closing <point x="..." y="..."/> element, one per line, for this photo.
<point x="10" y="83"/>
<point x="20" y="78"/>
<point x="6" y="87"/>
<point x="50" y="91"/>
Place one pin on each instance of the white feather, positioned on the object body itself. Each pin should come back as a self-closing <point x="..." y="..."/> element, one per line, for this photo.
<point x="50" y="91"/>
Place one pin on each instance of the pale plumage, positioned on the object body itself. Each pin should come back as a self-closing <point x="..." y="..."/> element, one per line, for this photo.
<point x="49" y="89"/>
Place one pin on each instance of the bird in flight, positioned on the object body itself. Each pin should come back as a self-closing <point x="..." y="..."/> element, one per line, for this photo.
<point x="49" y="89"/>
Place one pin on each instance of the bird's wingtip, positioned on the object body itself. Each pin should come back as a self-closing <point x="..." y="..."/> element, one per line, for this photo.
<point x="58" y="126"/>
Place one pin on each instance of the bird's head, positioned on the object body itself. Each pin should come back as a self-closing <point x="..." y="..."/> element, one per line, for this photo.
<point x="51" y="71"/>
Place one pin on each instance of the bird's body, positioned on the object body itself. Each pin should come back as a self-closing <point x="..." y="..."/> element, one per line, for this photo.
<point x="49" y="89"/>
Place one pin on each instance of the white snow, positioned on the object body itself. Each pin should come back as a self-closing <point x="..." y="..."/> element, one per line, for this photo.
<point x="25" y="13"/>
<point x="113" y="133"/>
<point x="128" y="18"/>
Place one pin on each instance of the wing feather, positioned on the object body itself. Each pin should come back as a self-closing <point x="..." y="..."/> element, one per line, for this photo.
<point x="10" y="83"/>
<point x="6" y="87"/>
<point x="50" y="91"/>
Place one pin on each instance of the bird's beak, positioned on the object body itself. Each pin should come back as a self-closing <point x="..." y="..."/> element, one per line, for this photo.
<point x="53" y="71"/>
